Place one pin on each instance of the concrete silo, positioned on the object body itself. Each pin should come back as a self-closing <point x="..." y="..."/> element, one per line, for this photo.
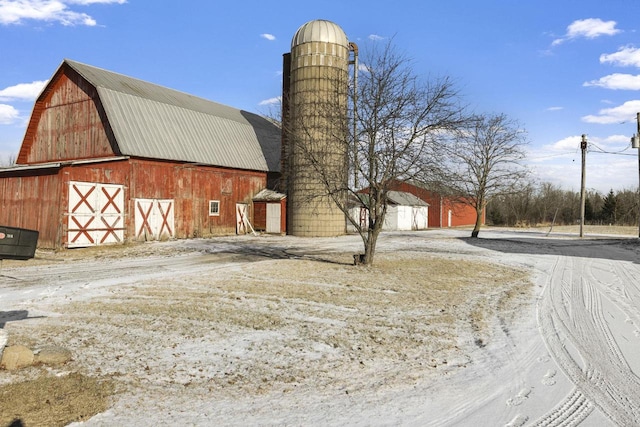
<point x="315" y="85"/>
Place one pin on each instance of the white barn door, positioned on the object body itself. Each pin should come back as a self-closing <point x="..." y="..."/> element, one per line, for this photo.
<point x="242" y="221"/>
<point x="154" y="219"/>
<point x="273" y="217"/>
<point x="96" y="214"/>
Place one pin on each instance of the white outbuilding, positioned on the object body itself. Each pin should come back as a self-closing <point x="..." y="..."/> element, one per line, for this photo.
<point x="405" y="211"/>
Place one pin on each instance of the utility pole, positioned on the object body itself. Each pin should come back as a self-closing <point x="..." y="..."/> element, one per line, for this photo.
<point x="635" y="143"/>
<point x="354" y="48"/>
<point x="583" y="147"/>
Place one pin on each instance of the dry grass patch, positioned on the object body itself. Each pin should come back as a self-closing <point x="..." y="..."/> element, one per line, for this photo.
<point x="54" y="400"/>
<point x="315" y="326"/>
<point x="281" y="324"/>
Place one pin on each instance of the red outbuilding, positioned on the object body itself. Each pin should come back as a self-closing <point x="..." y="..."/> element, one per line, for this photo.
<point x="107" y="158"/>
<point x="443" y="211"/>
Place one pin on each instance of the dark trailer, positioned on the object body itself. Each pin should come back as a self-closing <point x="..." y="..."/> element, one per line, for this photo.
<point x="17" y="243"/>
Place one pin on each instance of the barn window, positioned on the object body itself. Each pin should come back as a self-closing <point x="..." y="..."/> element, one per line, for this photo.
<point x="214" y="207"/>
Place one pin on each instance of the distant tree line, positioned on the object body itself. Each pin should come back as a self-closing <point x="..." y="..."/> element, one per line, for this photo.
<point x="545" y="203"/>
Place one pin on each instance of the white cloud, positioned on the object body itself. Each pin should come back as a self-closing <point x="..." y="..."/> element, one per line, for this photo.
<point x="617" y="81"/>
<point x="16" y="12"/>
<point x="620" y="114"/>
<point x="569" y="143"/>
<point x="569" y="146"/>
<point x="271" y="101"/>
<point x="613" y="141"/>
<point x="559" y="163"/>
<point x="375" y="37"/>
<point x="588" y="28"/>
<point x="8" y="114"/>
<point x="555" y="108"/>
<point x="23" y="91"/>
<point x="268" y="36"/>
<point x="624" y="57"/>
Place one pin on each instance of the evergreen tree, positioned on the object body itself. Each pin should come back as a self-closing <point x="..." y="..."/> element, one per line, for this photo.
<point x="608" y="213"/>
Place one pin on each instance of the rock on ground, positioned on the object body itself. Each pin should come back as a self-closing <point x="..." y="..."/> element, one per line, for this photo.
<point x="16" y="357"/>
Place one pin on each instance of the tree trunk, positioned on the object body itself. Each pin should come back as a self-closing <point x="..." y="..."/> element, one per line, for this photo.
<point x="370" y="246"/>
<point x="476" y="228"/>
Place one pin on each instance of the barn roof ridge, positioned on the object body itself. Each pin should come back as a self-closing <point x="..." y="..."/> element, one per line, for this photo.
<point x="119" y="82"/>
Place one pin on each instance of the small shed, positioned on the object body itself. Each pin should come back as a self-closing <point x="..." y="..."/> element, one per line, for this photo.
<point x="404" y="212"/>
<point x="269" y="211"/>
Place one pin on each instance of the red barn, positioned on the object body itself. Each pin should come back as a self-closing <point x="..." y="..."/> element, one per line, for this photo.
<point x="107" y="158"/>
<point x="443" y="211"/>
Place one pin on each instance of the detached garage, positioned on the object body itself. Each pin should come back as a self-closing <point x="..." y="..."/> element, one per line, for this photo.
<point x="107" y="158"/>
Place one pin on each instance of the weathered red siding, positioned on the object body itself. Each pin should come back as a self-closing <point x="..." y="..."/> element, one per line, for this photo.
<point x="192" y="187"/>
<point x="40" y="201"/>
<point x="260" y="215"/>
<point x="67" y="124"/>
<point x="283" y="217"/>
<point x="33" y="202"/>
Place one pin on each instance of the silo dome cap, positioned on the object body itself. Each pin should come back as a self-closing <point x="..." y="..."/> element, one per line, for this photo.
<point x="319" y="30"/>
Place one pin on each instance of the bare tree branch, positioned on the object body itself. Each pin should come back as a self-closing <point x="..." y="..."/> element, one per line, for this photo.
<point x="398" y="122"/>
<point x="484" y="161"/>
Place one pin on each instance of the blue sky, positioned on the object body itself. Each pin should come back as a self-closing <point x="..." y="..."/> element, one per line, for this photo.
<point x="562" y="68"/>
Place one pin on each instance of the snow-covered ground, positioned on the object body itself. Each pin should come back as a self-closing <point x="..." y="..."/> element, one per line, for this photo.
<point x="570" y="357"/>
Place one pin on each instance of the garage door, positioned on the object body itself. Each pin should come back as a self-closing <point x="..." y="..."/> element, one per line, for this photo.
<point x="95" y="214"/>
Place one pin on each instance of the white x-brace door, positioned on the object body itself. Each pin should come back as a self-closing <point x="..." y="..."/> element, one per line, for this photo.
<point x="154" y="219"/>
<point x="95" y="215"/>
<point x="242" y="221"/>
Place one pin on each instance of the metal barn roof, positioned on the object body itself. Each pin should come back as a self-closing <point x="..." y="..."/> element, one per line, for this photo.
<point x="399" y="198"/>
<point x="156" y="122"/>
<point x="402" y="198"/>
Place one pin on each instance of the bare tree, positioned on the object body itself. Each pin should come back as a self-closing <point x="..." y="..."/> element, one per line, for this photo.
<point x="396" y="120"/>
<point x="484" y="160"/>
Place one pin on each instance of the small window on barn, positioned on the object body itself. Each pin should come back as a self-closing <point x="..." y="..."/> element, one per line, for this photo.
<point x="214" y="208"/>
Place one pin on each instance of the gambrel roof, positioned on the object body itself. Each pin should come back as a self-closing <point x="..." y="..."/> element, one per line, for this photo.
<point x="151" y="121"/>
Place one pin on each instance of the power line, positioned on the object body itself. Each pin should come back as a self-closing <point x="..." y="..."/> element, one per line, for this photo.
<point x="552" y="155"/>
<point x="603" y="151"/>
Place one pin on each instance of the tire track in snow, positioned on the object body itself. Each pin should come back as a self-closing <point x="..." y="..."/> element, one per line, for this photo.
<point x="572" y="322"/>
<point x="571" y="411"/>
<point x="552" y="309"/>
<point x="626" y="295"/>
